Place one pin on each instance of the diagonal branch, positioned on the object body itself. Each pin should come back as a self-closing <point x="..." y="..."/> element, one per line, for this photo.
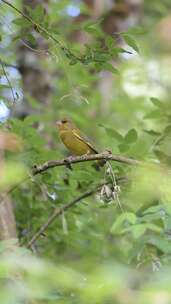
<point x="60" y="210"/>
<point x="56" y="213"/>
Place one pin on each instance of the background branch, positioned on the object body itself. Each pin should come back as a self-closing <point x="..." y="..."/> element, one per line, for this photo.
<point x="56" y="213"/>
<point x="59" y="211"/>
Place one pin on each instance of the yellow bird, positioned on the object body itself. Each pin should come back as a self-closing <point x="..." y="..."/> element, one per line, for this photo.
<point x="73" y="139"/>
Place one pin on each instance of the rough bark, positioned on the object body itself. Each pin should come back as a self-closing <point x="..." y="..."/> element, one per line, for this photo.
<point x="7" y="220"/>
<point x="8" y="142"/>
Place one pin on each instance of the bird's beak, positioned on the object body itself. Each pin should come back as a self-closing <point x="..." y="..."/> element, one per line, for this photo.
<point x="58" y="123"/>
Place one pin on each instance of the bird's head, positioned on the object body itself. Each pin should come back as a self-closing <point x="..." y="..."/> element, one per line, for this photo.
<point x="65" y="124"/>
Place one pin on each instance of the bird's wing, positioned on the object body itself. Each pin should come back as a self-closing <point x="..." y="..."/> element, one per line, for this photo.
<point x="84" y="139"/>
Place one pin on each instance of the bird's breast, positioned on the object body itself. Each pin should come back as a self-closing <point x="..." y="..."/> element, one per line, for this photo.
<point x="74" y="144"/>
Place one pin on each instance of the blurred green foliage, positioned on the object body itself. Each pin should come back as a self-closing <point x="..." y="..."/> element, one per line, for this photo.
<point x="96" y="252"/>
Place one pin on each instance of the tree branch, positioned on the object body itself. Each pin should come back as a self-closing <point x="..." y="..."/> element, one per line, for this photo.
<point x="37" y="169"/>
<point x="59" y="211"/>
<point x="56" y="213"/>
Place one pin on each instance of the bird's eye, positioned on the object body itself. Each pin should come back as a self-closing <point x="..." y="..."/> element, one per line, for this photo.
<point x="64" y="121"/>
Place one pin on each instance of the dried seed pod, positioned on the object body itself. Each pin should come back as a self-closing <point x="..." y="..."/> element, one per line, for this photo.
<point x="106" y="193"/>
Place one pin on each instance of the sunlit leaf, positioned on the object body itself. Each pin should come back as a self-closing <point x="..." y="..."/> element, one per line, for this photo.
<point x="12" y="174"/>
<point x="131" y="42"/>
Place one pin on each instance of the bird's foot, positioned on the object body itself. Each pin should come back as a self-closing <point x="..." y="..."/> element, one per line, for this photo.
<point x="68" y="162"/>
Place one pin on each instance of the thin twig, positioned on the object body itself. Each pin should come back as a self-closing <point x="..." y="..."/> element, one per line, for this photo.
<point x="18" y="184"/>
<point x="39" y="52"/>
<point x="9" y="83"/>
<point x="40" y="28"/>
<point x="9" y="65"/>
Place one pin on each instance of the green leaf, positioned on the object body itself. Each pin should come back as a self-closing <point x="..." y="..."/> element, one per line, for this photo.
<point x="127" y="218"/>
<point x="109" y="41"/>
<point x="94" y="31"/>
<point x="162" y="244"/>
<point x="162" y="156"/>
<point x="4" y="86"/>
<point x="131" y="42"/>
<point x="92" y="23"/>
<point x="154" y="227"/>
<point x="109" y="67"/>
<point x="137" y="30"/>
<point x="117" y="50"/>
<point x="93" y="27"/>
<point x="131" y="136"/>
<point x="156" y="102"/>
<point x="138" y="230"/>
<point x="101" y="57"/>
<point x="123" y="148"/>
<point x="156" y="114"/>
<point x="154" y="209"/>
<point x="37" y="14"/>
<point x="148" y="218"/>
<point x="31" y="39"/>
<point x="167" y="130"/>
<point x="152" y="132"/>
<point x="112" y="133"/>
<point x="21" y="21"/>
